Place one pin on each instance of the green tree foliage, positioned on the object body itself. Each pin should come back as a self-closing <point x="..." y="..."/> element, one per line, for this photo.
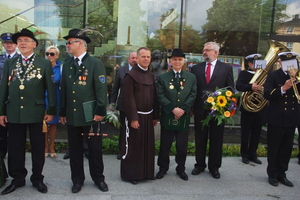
<point x="238" y="25"/>
<point x="191" y="41"/>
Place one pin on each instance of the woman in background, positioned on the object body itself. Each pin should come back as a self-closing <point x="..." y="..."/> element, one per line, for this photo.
<point x="52" y="54"/>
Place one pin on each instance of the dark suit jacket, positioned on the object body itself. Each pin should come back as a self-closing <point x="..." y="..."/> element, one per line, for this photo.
<point x="27" y="105"/>
<point x="3" y="58"/>
<point x="221" y="77"/>
<point x="169" y="98"/>
<point x="73" y="94"/>
<point x="283" y="110"/>
<point x="120" y="74"/>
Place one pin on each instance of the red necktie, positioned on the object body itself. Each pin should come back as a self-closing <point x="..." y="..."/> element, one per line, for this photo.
<point x="25" y="59"/>
<point x="208" y="72"/>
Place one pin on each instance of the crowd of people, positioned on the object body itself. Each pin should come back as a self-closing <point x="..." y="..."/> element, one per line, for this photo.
<point x="36" y="92"/>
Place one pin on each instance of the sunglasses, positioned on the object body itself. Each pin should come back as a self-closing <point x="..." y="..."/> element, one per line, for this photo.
<point x="51" y="54"/>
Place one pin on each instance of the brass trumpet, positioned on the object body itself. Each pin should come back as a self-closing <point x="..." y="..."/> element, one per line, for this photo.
<point x="297" y="76"/>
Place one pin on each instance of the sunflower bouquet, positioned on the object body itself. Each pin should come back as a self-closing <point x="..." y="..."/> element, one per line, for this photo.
<point x="221" y="105"/>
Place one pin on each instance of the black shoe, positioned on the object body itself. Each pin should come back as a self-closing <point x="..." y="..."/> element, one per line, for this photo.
<point x="133" y="182"/>
<point x="197" y="171"/>
<point x="245" y="160"/>
<point x="119" y="156"/>
<point x="12" y="187"/>
<point x="286" y="182"/>
<point x="103" y="186"/>
<point x="273" y="181"/>
<point x="183" y="176"/>
<point x="160" y="174"/>
<point x="66" y="156"/>
<point x="256" y="160"/>
<point x="215" y="174"/>
<point x="76" y="187"/>
<point x="41" y="187"/>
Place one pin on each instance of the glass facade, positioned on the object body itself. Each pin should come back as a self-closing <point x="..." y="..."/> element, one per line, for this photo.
<point x="241" y="27"/>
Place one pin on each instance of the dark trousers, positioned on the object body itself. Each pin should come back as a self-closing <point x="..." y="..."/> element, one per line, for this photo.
<point x="280" y="145"/>
<point x="166" y="139"/>
<point x="251" y="125"/>
<point x="3" y="141"/>
<point x="16" y="152"/>
<point x="215" y="135"/>
<point x="76" y="154"/>
<point x="122" y="121"/>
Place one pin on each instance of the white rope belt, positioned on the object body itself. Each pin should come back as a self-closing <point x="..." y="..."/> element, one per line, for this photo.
<point x="127" y="130"/>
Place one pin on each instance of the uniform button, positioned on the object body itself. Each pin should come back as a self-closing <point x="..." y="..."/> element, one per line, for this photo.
<point x="293" y="108"/>
<point x="285" y="102"/>
<point x="293" y="102"/>
<point x="21" y="97"/>
<point x="293" y="95"/>
<point x="74" y="109"/>
<point x="21" y="106"/>
<point x="285" y="109"/>
<point x="178" y="100"/>
<point x="285" y="95"/>
<point x="178" y="92"/>
<point x="73" y="92"/>
<point x="74" y="83"/>
<point x="74" y="100"/>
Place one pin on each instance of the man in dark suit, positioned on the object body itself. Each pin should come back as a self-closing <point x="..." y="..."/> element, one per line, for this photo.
<point x="83" y="81"/>
<point x="10" y="52"/>
<point x="120" y="74"/>
<point x="22" y="103"/>
<point x="251" y="122"/>
<point x="177" y="91"/>
<point x="209" y="74"/>
<point x="282" y="117"/>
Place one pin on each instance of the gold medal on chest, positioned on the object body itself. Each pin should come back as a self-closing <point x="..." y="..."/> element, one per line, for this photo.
<point x="171" y="87"/>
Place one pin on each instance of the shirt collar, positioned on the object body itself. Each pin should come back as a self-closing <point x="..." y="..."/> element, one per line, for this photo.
<point x="213" y="63"/>
<point x="143" y="68"/>
<point x="27" y="57"/>
<point x="80" y="57"/>
<point x="11" y="55"/>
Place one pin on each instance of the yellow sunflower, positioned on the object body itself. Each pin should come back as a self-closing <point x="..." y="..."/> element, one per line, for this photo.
<point x="221" y="101"/>
<point x="227" y="114"/>
<point x="228" y="93"/>
<point x="210" y="100"/>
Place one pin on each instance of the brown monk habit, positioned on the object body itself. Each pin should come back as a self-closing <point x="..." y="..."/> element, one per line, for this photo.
<point x="139" y="99"/>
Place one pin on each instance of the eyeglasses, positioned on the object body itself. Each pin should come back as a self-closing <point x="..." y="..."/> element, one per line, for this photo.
<point x="26" y="41"/>
<point x="207" y="50"/>
<point x="51" y="54"/>
<point x="71" y="42"/>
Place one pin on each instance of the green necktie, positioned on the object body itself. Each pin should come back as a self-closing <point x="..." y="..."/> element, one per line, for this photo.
<point x="76" y="64"/>
<point x="177" y="77"/>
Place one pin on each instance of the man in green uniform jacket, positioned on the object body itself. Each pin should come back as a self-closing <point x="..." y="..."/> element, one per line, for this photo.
<point x="83" y="83"/>
<point x="22" y="105"/>
<point x="177" y="91"/>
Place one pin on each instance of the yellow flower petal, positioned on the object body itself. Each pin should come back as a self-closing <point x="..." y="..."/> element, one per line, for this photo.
<point x="228" y="93"/>
<point x="210" y="100"/>
<point x="227" y="114"/>
<point x="221" y="101"/>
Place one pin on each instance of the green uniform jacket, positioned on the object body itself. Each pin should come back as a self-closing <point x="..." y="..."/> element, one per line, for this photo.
<point x="27" y="105"/>
<point x="87" y="84"/>
<point x="172" y="95"/>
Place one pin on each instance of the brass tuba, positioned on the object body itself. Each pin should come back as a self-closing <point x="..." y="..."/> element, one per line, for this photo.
<point x="254" y="101"/>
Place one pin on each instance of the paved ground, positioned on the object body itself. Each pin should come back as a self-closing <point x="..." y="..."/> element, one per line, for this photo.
<point x="238" y="181"/>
